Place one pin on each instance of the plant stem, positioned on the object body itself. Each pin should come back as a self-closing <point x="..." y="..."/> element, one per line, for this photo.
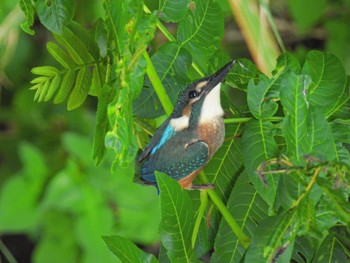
<point x="308" y="187"/>
<point x="226" y="213"/>
<point x="157" y="85"/>
<point x="200" y="213"/>
<point x="246" y="119"/>
<point x="6" y="252"/>
<point x="256" y="33"/>
<point x="160" y="26"/>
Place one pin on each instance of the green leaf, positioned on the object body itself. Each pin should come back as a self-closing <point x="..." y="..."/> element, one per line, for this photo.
<point x="45" y="71"/>
<point x="295" y="124"/>
<point x="303" y="250"/>
<point x="273" y="235"/>
<point x="19" y="195"/>
<point x="287" y="62"/>
<point x="55" y="83"/>
<point x="55" y="14"/>
<point x="102" y="125"/>
<point x="259" y="146"/>
<point x="331" y="250"/>
<point x="84" y="37"/>
<point x="341" y="130"/>
<point x="173" y="10"/>
<point x="29" y="11"/>
<point x="76" y="48"/>
<point x="126" y="251"/>
<point x="101" y="37"/>
<point x="306" y="14"/>
<point x="242" y="72"/>
<point x="329" y="83"/>
<point x="60" y="55"/>
<point x="43" y="90"/>
<point x="320" y="136"/>
<point x="249" y="209"/>
<point x="336" y="200"/>
<point x="53" y="224"/>
<point x="259" y="104"/>
<point x="95" y="82"/>
<point x="80" y="89"/>
<point x="226" y="164"/>
<point x="177" y="220"/>
<point x="172" y="63"/>
<point x="66" y="86"/>
<point x="201" y="31"/>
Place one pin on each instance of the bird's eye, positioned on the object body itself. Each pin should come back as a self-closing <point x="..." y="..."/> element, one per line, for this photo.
<point x="192" y="94"/>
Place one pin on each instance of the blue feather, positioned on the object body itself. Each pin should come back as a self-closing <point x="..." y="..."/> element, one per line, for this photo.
<point x="167" y="134"/>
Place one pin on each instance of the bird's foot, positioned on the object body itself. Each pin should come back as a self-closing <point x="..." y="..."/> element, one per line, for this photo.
<point x="202" y="186"/>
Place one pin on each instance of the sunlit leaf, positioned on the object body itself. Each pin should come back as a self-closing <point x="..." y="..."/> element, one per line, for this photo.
<point x="66" y="86"/>
<point x="75" y="47"/>
<point x="80" y="89"/>
<point x="45" y="71"/>
<point x="55" y="83"/>
<point x="60" y="55"/>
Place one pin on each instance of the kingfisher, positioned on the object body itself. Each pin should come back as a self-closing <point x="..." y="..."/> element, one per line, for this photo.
<point x="190" y="136"/>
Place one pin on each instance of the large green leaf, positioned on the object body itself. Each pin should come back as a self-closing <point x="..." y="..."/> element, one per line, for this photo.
<point x="259" y="146"/>
<point x="248" y="208"/>
<point x="55" y="14"/>
<point x="320" y="136"/>
<point x="241" y="73"/>
<point x="259" y="104"/>
<point x="226" y="164"/>
<point x="329" y="83"/>
<point x="126" y="251"/>
<point x="273" y="239"/>
<point x="331" y="250"/>
<point x="295" y="123"/>
<point x="171" y="63"/>
<point x="177" y="220"/>
<point x="172" y="10"/>
<point x="201" y="31"/>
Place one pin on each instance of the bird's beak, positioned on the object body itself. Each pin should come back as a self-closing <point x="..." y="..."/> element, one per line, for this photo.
<point x="218" y="77"/>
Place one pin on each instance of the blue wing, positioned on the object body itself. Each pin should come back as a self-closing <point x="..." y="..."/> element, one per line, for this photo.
<point x="177" y="158"/>
<point x="167" y="134"/>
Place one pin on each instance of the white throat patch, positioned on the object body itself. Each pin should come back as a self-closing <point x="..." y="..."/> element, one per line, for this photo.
<point x="211" y="107"/>
<point x="180" y="123"/>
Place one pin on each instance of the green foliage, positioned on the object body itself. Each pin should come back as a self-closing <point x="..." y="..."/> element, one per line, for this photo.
<point x="281" y="176"/>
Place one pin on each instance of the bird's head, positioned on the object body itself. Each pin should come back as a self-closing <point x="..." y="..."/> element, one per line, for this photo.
<point x="200" y="101"/>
